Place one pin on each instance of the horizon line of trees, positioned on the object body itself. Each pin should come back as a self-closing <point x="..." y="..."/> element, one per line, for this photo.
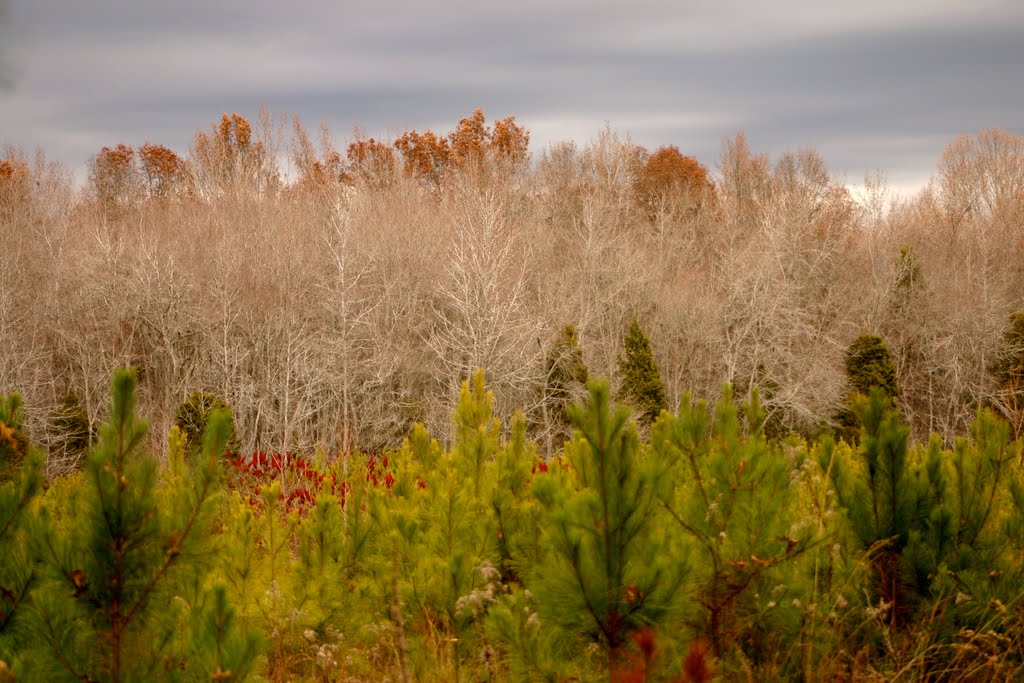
<point x="342" y="307"/>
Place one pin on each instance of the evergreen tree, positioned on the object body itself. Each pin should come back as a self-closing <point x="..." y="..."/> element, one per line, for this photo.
<point x="564" y="368"/>
<point x="194" y="414"/>
<point x="606" y="571"/>
<point x="437" y="557"/>
<point x="70" y="432"/>
<point x="514" y="510"/>
<point x="733" y="496"/>
<point x="565" y="376"/>
<point x="17" y="569"/>
<point x="104" y="611"/>
<point x="868" y="365"/>
<point x="640" y="382"/>
<point x="886" y="501"/>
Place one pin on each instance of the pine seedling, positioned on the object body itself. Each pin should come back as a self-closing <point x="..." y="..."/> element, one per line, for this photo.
<point x="529" y="650"/>
<point x="100" y="615"/>
<point x="733" y="498"/>
<point x="17" y="566"/>
<point x="477" y="431"/>
<point x="606" y="572"/>
<point x="439" y="536"/>
<point x="884" y="499"/>
<point x="515" y="512"/>
<point x="219" y="650"/>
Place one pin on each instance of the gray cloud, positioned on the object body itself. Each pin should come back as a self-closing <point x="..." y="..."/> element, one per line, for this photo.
<point x="872" y="85"/>
<point x="6" y="71"/>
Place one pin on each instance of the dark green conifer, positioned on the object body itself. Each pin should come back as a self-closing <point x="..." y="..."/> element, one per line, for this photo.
<point x="70" y="431"/>
<point x="886" y="502"/>
<point x="640" y="386"/>
<point x="565" y="378"/>
<point x="868" y="365"/>
<point x="193" y="415"/>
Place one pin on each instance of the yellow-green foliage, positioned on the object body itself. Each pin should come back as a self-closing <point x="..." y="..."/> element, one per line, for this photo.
<point x="121" y="586"/>
<point x="711" y="543"/>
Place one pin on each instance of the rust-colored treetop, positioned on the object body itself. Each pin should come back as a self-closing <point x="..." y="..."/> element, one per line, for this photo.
<point x="234" y="134"/>
<point x="471" y="146"/>
<point x="426" y="155"/>
<point x="13" y="169"/>
<point x="510" y="139"/>
<point x="115" y="160"/>
<point x="371" y="158"/>
<point x="231" y="138"/>
<point x="227" y="159"/>
<point x="161" y="167"/>
<point x="113" y="176"/>
<point x="226" y="156"/>
<point x="14" y="185"/>
<point x="668" y="172"/>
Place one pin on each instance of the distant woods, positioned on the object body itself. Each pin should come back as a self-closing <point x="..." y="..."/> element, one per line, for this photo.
<point x="342" y="298"/>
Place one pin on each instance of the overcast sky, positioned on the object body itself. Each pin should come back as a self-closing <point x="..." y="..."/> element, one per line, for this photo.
<point x="871" y="84"/>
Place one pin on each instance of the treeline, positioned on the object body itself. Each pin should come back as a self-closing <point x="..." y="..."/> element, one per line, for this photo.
<point x="704" y="551"/>
<point x="341" y="296"/>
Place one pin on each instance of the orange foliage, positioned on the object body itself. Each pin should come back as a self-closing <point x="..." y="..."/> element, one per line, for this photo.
<point x="13" y="171"/>
<point x="472" y="145"/>
<point x="114" y="175"/>
<point x="235" y="132"/>
<point x="316" y="170"/>
<point x="668" y="173"/>
<point x="426" y="155"/>
<point x="231" y="138"/>
<point x="161" y="167"/>
<point x="510" y="140"/>
<point x="322" y="172"/>
<point x="329" y="169"/>
<point x="470" y="139"/>
<point x="227" y="158"/>
<point x="371" y="159"/>
<point x="14" y="186"/>
<point x="116" y="161"/>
